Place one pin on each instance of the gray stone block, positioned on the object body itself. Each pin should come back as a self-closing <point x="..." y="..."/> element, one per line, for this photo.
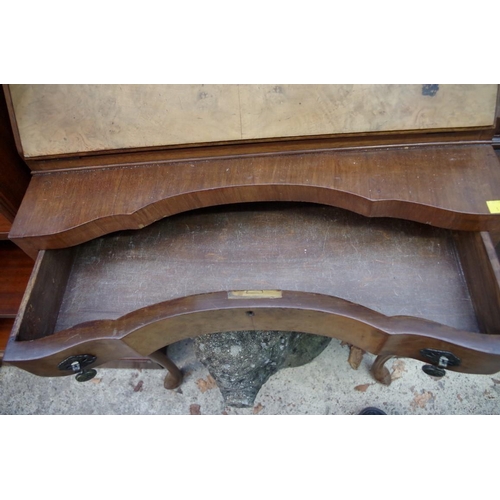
<point x="241" y="362"/>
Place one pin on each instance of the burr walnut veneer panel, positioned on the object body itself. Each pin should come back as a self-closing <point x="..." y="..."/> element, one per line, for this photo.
<point x="75" y="119"/>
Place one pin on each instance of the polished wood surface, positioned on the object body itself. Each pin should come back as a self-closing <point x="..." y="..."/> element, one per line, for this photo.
<point x="413" y="138"/>
<point x="386" y="286"/>
<point x="446" y="186"/>
<point x="149" y="329"/>
<point x="69" y="119"/>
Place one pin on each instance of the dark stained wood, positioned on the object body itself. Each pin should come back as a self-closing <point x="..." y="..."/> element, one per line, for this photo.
<point x="151" y="328"/>
<point x="380" y="371"/>
<point x="5" y="226"/>
<point x="384" y="264"/>
<point x="15" y="270"/>
<point x="14" y="173"/>
<point x="385" y="286"/>
<point x="173" y="379"/>
<point x="6" y="325"/>
<point x="40" y="305"/>
<point x="482" y="271"/>
<point x="174" y="154"/>
<point x="441" y="186"/>
<point x="496" y="136"/>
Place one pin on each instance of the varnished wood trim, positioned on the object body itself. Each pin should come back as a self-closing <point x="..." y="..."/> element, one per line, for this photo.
<point x="442" y="186"/>
<point x="263" y="147"/>
<point x="151" y="328"/>
<point x="45" y="290"/>
<point x="482" y="272"/>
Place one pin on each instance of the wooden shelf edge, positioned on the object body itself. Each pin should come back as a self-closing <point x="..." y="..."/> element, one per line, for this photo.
<point x="151" y="328"/>
<point x="442" y="186"/>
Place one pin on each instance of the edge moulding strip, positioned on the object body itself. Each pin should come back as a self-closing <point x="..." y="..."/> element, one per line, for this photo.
<point x="151" y="328"/>
<point x="445" y="186"/>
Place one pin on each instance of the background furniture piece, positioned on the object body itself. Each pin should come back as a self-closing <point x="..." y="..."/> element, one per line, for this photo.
<point x="15" y="265"/>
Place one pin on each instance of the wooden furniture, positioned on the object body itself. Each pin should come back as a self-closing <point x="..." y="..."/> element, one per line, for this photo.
<point x="15" y="265"/>
<point x="15" y="271"/>
<point x="381" y="239"/>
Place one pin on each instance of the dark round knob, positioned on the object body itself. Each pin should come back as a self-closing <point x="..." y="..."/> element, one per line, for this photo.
<point x="86" y="375"/>
<point x="433" y="371"/>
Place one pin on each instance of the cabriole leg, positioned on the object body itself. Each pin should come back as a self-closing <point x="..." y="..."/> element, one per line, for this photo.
<point x="380" y="371"/>
<point x="174" y="376"/>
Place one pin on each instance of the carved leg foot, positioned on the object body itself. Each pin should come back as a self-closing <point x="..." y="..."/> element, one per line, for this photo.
<point x="355" y="357"/>
<point x="379" y="371"/>
<point x="173" y="378"/>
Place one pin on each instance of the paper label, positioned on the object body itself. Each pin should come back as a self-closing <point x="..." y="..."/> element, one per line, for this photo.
<point x="494" y="206"/>
<point x="255" y="294"/>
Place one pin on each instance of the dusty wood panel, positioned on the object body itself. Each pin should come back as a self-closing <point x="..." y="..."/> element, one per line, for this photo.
<point x="444" y="186"/>
<point x="40" y="304"/>
<point x="15" y="271"/>
<point x="69" y="119"/>
<point x="391" y="266"/>
<point x="482" y="270"/>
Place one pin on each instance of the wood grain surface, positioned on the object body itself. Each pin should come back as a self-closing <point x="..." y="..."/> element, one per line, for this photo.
<point x="482" y="271"/>
<point x="375" y="140"/>
<point x="392" y="266"/>
<point x="147" y="330"/>
<point x="386" y="286"/>
<point x="69" y="119"/>
<point x="15" y="270"/>
<point x="445" y="186"/>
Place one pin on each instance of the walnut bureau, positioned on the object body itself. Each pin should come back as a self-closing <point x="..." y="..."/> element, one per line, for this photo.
<point x="159" y="213"/>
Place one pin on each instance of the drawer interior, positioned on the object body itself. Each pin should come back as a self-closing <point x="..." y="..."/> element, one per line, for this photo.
<point x="392" y="266"/>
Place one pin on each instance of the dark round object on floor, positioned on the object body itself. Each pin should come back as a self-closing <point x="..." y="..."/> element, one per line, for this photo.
<point x="372" y="411"/>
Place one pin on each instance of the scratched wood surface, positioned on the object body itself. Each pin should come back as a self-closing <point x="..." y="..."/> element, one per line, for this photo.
<point x="71" y="119"/>
<point x="446" y="186"/>
<point x="393" y="267"/>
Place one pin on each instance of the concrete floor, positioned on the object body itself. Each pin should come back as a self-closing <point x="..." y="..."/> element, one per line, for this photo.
<point x="326" y="386"/>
